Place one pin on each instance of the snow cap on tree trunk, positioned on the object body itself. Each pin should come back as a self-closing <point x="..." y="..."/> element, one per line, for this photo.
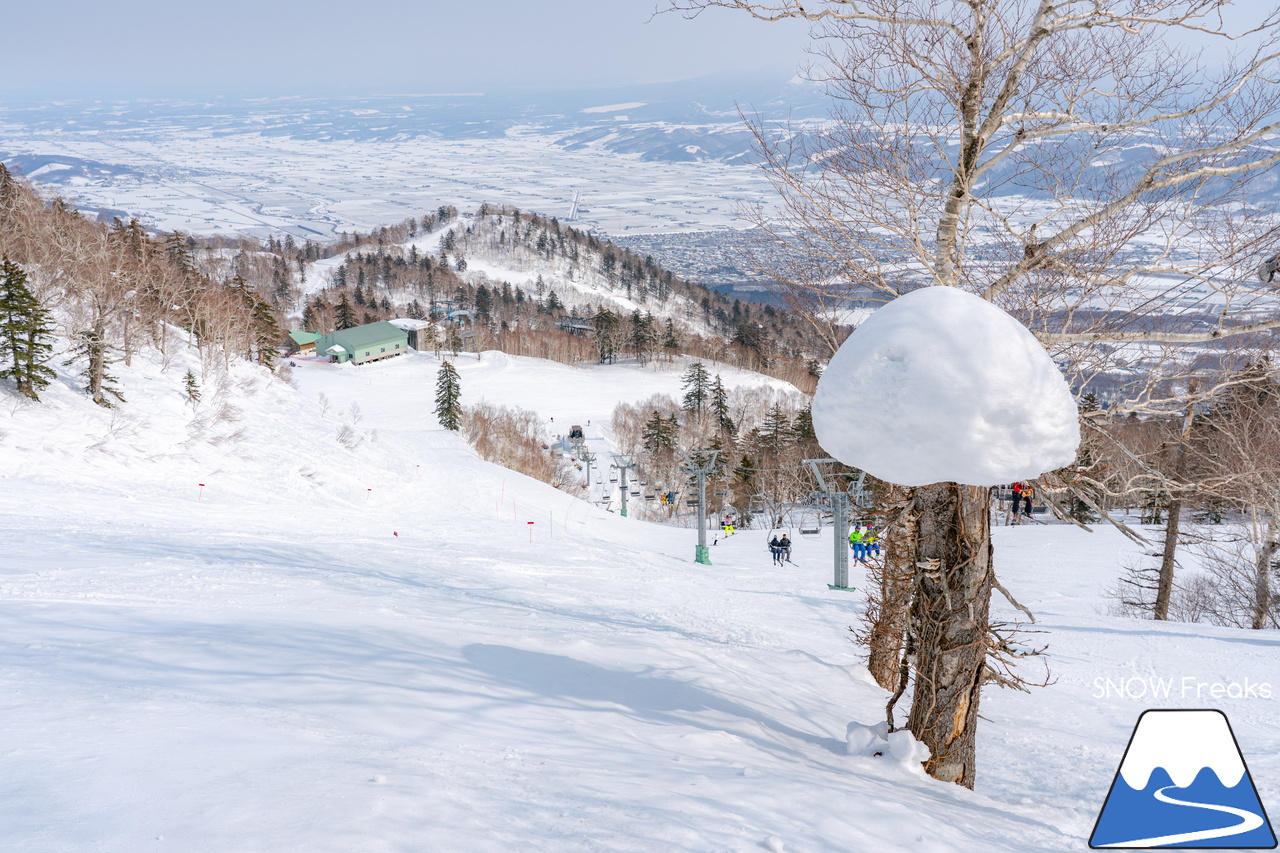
<point x="942" y="386"/>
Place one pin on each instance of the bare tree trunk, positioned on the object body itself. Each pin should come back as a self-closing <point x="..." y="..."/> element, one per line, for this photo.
<point x="1164" y="585"/>
<point x="97" y="348"/>
<point x="888" y="612"/>
<point x="1262" y="578"/>
<point x="949" y="623"/>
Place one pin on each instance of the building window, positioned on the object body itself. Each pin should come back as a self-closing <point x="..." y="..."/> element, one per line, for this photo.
<point x="384" y="349"/>
<point x="366" y="352"/>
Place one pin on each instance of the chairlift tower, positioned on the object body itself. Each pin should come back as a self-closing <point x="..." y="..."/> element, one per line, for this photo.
<point x="588" y="457"/>
<point x="838" y="502"/>
<point x="622" y="464"/>
<point x="700" y="463"/>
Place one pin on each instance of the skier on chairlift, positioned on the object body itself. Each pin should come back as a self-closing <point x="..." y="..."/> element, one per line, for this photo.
<point x="775" y="548"/>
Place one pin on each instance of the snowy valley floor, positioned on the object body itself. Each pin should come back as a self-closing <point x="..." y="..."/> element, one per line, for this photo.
<point x="334" y="649"/>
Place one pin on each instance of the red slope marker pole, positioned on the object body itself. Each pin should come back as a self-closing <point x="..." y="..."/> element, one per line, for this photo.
<point x="530" y="523"/>
<point x="200" y="494"/>
<point x="367" y="492"/>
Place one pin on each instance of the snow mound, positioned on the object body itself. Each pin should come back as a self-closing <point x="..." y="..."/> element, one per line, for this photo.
<point x="876" y="740"/>
<point x="941" y="385"/>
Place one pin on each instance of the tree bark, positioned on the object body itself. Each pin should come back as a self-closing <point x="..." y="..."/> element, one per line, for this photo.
<point x="892" y="603"/>
<point x="949" y="620"/>
<point x="1262" y="579"/>
<point x="1164" y="586"/>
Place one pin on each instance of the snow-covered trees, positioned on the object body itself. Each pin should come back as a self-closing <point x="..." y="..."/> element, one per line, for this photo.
<point x="25" y="332"/>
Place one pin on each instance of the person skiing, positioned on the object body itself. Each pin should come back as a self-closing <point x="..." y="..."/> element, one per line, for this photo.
<point x="775" y="547"/>
<point x="1027" y="493"/>
<point x="785" y="544"/>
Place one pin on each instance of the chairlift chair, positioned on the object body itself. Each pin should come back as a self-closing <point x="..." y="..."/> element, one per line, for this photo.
<point x="779" y="532"/>
<point x="1268" y="268"/>
<point x="810" y="524"/>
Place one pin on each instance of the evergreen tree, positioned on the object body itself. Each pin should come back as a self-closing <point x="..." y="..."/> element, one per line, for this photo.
<point x="24" y="333"/>
<point x="775" y="432"/>
<point x="606" y="325"/>
<point x="642" y="335"/>
<point x="455" y="342"/>
<point x="720" y="408"/>
<point x="697" y="385"/>
<point x="660" y="433"/>
<point x="743" y="485"/>
<point x="359" y="295"/>
<point x="484" y="302"/>
<point x="345" y="316"/>
<point x="448" y="393"/>
<point x="670" y="340"/>
<point x="802" y="426"/>
<point x="192" y="388"/>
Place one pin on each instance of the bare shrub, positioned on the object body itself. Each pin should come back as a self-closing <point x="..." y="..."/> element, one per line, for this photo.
<point x="1227" y="591"/>
<point x="513" y="438"/>
<point x="348" y="437"/>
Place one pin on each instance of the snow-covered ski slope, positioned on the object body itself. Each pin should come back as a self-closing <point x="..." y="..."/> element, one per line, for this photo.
<point x="335" y="648"/>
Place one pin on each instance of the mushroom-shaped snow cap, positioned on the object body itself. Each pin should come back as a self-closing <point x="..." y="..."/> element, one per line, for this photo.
<point x="940" y="385"/>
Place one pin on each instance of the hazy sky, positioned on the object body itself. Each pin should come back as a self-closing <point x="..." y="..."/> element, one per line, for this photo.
<point x="129" y="48"/>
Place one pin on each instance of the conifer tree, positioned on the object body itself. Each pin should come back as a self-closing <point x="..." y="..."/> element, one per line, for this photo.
<point x="606" y="325"/>
<point x="775" y="432"/>
<point x="24" y="332"/>
<point x="660" y="433"/>
<point x="192" y="388"/>
<point x="670" y="340"/>
<point x="720" y="408"/>
<point x="642" y="335"/>
<point x="697" y="385"/>
<point x="345" y="316"/>
<point x="802" y="426"/>
<point x="448" y="394"/>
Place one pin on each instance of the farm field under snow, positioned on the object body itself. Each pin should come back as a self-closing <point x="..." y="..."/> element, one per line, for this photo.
<point x="334" y="648"/>
<point x="264" y="185"/>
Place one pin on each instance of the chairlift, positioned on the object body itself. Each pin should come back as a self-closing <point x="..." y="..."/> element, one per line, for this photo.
<point x="635" y="492"/>
<point x="613" y="478"/>
<point x="1268" y="268"/>
<point x="810" y="523"/>
<point x="779" y="532"/>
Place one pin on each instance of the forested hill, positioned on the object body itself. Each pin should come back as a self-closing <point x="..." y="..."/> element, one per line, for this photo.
<point x="530" y="285"/>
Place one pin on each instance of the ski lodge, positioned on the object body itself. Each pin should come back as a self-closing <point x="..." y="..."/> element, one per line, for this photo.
<point x="361" y="344"/>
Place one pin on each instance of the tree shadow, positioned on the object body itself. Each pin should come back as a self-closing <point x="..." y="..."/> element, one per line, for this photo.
<point x="654" y="697"/>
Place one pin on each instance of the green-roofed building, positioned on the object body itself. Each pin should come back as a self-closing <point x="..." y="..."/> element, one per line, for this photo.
<point x="305" y="342"/>
<point x="364" y="343"/>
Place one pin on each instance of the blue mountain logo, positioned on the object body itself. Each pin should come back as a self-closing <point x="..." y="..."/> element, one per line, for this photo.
<point x="1183" y="783"/>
